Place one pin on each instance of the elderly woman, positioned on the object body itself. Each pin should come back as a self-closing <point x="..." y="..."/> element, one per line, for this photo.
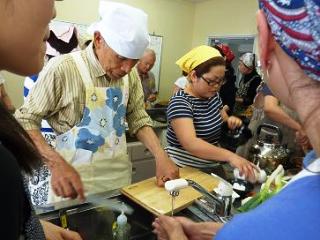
<point x="289" y="49"/>
<point x="22" y="49"/>
<point x="248" y="84"/>
<point x="195" y="115"/>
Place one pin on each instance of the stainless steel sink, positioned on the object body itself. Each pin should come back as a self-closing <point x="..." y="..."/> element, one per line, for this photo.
<point x="95" y="223"/>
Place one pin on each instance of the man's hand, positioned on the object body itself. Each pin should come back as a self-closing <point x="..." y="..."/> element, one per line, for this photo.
<point x="168" y="228"/>
<point x="302" y="139"/>
<point x="52" y="231"/>
<point x="199" y="231"/>
<point x="181" y="228"/>
<point x="166" y="170"/>
<point x="65" y="180"/>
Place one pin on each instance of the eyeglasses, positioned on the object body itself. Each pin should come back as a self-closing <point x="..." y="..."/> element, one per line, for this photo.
<point x="214" y="83"/>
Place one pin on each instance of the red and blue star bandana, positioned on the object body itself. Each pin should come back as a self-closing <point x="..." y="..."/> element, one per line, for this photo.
<point x="295" y="24"/>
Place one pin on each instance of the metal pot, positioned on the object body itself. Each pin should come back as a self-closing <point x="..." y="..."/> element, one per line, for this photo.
<point x="268" y="151"/>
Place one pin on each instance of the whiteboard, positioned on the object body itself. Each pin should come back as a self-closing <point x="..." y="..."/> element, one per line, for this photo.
<point x="156" y="45"/>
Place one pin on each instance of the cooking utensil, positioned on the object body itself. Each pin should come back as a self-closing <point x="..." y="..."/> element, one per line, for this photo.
<point x="268" y="151"/>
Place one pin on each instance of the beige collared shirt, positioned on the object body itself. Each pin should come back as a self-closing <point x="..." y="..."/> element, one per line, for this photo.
<point x="59" y="95"/>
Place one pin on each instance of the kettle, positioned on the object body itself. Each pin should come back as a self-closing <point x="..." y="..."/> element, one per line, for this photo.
<point x="268" y="152"/>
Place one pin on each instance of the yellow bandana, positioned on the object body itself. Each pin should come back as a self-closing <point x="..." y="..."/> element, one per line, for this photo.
<point x="197" y="56"/>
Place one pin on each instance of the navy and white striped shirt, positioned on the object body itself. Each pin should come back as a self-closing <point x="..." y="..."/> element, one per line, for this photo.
<point x="207" y="121"/>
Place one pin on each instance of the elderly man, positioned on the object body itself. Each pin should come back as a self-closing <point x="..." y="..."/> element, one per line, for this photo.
<point x="86" y="97"/>
<point x="144" y="66"/>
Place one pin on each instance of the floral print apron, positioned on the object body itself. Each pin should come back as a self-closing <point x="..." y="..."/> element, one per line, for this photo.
<point x="96" y="146"/>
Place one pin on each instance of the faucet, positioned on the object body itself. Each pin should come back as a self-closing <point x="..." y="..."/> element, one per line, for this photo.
<point x="222" y="204"/>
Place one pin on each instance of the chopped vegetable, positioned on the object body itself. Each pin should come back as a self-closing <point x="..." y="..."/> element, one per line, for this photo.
<point x="272" y="186"/>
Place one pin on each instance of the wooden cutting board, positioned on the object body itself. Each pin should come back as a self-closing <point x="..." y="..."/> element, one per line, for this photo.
<point x="158" y="201"/>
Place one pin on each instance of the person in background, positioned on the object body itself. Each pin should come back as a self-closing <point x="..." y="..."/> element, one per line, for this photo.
<point x="4" y="97"/>
<point x="63" y="39"/>
<point x="288" y="45"/>
<point x="248" y="84"/>
<point x="86" y="97"/>
<point x="22" y="50"/>
<point x="195" y="115"/>
<point x="287" y="120"/>
<point x="180" y="83"/>
<point x="144" y="66"/>
<point x="268" y="109"/>
<point x="228" y="89"/>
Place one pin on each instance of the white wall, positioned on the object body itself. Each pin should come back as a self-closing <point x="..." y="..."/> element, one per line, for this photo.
<point x="227" y="17"/>
<point x="182" y="24"/>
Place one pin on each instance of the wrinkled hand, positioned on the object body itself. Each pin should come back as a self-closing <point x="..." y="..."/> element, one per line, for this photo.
<point x="66" y="181"/>
<point x="166" y="170"/>
<point x="245" y="167"/>
<point x="180" y="228"/>
<point x="234" y="122"/>
<point x="53" y="232"/>
<point x="168" y="228"/>
<point x="302" y="139"/>
<point x="199" y="231"/>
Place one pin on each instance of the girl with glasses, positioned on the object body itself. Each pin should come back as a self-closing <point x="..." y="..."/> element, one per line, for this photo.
<point x="195" y="115"/>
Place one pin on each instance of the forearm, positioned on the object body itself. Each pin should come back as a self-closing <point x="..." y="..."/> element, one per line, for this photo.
<point x="147" y="136"/>
<point x="278" y="115"/>
<point x="43" y="147"/>
<point x="205" y="150"/>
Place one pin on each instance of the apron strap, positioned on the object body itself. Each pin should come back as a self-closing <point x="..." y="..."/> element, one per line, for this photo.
<point x="126" y="81"/>
<point x="83" y="69"/>
<point x="125" y="90"/>
<point x="85" y="75"/>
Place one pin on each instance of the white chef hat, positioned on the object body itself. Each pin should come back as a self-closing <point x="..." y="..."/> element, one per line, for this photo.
<point x="124" y="28"/>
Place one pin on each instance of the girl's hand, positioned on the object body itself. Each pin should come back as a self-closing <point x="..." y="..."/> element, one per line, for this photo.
<point x="234" y="122"/>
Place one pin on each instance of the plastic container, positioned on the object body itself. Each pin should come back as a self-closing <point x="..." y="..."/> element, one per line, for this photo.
<point x="121" y="228"/>
<point x="260" y="176"/>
